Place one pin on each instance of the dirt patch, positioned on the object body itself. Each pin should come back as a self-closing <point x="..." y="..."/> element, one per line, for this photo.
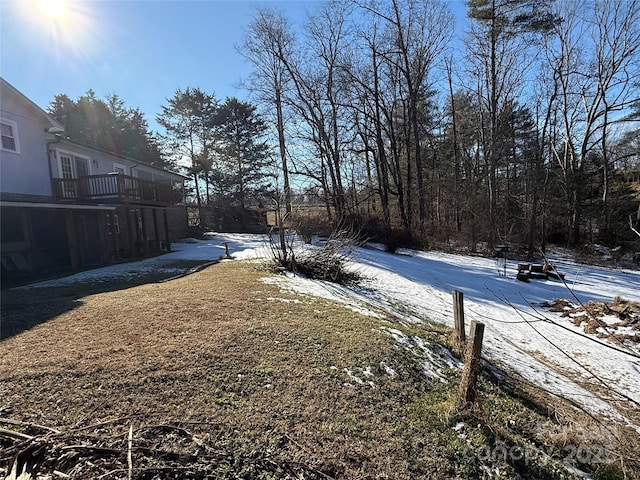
<point x="618" y="321"/>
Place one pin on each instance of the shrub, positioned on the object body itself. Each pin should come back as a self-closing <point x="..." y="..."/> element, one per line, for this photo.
<point x="309" y="226"/>
<point x="396" y="238"/>
<point x="373" y="229"/>
<point x="328" y="262"/>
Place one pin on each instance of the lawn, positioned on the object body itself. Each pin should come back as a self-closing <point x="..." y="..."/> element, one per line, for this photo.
<point x="218" y="374"/>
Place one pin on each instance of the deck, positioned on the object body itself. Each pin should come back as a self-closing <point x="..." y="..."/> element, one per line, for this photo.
<point x="112" y="187"/>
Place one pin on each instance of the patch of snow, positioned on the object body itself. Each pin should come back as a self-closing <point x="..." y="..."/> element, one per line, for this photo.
<point x="445" y="355"/>
<point x="630" y="331"/>
<point x="433" y="360"/>
<point x="387" y="369"/>
<point x="353" y="377"/>
<point x="188" y="240"/>
<point x="540" y="346"/>
<point x="398" y="336"/>
<point x="283" y="300"/>
<point x="359" y="380"/>
<point x="609" y="319"/>
<point x="316" y="288"/>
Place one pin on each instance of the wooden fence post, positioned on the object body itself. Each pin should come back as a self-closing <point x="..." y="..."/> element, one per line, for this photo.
<point x="458" y="322"/>
<point x="469" y="380"/>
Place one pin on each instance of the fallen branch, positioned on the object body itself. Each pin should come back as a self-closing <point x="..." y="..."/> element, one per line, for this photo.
<point x="631" y="226"/>
<point x="27" y="424"/>
<point x="68" y="454"/>
<point x="12" y="434"/>
<point x="586" y="310"/>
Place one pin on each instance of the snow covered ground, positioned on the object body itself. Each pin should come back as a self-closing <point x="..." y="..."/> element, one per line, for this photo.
<point x="541" y="346"/>
<point x="519" y="333"/>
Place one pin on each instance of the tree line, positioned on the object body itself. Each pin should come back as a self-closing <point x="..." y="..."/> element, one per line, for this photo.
<point x="521" y="129"/>
<point x="108" y="125"/>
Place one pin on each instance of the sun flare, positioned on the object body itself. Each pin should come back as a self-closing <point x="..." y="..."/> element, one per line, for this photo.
<point x="52" y="9"/>
<point x="63" y="27"/>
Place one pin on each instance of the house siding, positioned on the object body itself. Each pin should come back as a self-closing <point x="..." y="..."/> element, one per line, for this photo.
<point x="32" y="158"/>
<point x="102" y="163"/>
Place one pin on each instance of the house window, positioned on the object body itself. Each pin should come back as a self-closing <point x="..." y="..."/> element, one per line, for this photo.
<point x="9" y="132"/>
<point x="72" y="166"/>
<point x="120" y="169"/>
<point x="66" y="168"/>
<point x="82" y="167"/>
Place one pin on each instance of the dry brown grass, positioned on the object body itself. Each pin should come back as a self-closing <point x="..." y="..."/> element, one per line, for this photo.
<point x="223" y="376"/>
<point x="209" y="350"/>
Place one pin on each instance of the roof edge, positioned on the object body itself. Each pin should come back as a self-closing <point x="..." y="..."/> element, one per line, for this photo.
<point x="113" y="154"/>
<point x="56" y="127"/>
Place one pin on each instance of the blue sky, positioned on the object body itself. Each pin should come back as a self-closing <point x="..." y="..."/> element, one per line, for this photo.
<point x="142" y="50"/>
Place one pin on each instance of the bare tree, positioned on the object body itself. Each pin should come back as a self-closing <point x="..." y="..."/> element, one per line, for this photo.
<point x="496" y="45"/>
<point x="594" y="58"/>
<point x="418" y="31"/>
<point x="616" y="37"/>
<point x="267" y="43"/>
<point x="367" y="93"/>
<point x="318" y="95"/>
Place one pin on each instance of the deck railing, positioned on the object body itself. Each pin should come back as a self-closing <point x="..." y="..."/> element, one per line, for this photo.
<point x="112" y="186"/>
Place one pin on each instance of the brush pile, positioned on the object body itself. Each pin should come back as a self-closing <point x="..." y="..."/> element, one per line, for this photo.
<point x="618" y="320"/>
<point x="113" y="449"/>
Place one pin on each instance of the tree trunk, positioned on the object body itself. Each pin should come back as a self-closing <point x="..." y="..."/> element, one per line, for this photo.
<point x="283" y="151"/>
<point x="493" y="120"/>
<point x="407" y="144"/>
<point x="456" y="152"/>
<point x="381" y="157"/>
